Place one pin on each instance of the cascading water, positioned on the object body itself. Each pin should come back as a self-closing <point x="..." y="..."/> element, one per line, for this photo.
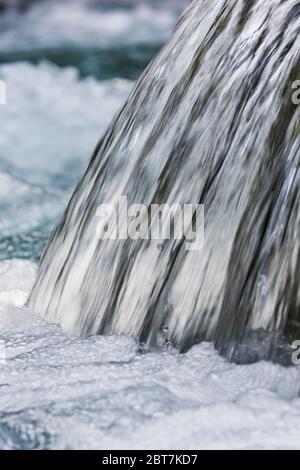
<point x="211" y="121"/>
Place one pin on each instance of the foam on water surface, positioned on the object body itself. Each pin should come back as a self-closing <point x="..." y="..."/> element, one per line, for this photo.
<point x="16" y="279"/>
<point x="101" y="38"/>
<point x="102" y="393"/>
<point x="85" y="23"/>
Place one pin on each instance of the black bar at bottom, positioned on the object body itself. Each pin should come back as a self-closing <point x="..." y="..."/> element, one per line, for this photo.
<point x="135" y="459"/>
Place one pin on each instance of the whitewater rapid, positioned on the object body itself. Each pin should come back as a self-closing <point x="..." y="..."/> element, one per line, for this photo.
<point x="83" y="24"/>
<point x="60" y="392"/>
<point x="45" y="141"/>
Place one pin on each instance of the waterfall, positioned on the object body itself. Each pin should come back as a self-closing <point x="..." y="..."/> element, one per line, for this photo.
<point x="212" y="121"/>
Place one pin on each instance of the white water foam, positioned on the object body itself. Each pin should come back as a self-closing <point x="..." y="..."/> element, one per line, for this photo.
<point x="61" y="392"/>
<point x="49" y="127"/>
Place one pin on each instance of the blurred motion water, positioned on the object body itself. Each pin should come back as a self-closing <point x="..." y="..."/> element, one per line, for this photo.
<point x="66" y="66"/>
<point x="69" y="67"/>
<point x="210" y="122"/>
<point x="60" y="392"/>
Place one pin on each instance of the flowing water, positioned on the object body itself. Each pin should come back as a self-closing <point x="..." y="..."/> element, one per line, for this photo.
<point x="210" y="121"/>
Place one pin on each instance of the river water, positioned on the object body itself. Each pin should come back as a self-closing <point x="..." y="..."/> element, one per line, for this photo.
<point x="68" y="70"/>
